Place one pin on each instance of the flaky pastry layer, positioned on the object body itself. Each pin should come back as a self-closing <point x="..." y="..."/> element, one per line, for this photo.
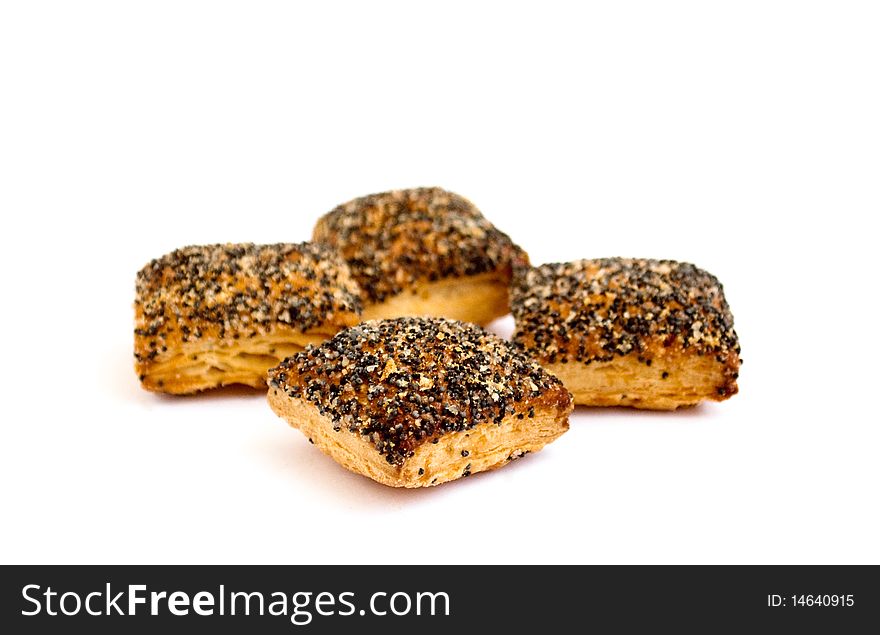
<point x="670" y="382"/>
<point x="202" y="365"/>
<point x="454" y="455"/>
<point x="478" y="299"/>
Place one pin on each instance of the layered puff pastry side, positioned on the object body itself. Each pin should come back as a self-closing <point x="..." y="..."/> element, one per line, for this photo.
<point x="423" y="252"/>
<point x="415" y="402"/>
<point x="654" y="334"/>
<point x="213" y="315"/>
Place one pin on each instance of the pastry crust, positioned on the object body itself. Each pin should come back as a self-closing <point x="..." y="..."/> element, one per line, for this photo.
<point x="654" y="334"/>
<point x="214" y="315"/>
<point x="409" y="250"/>
<point x="415" y="402"/>
<point x="478" y="299"/>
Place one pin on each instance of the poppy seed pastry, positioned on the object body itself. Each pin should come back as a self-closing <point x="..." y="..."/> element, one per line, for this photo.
<point x="423" y="251"/>
<point x="213" y="315"/>
<point x="654" y="334"/>
<point x="415" y="402"/>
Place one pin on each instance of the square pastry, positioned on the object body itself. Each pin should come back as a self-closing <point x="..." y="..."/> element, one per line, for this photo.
<point x="654" y="334"/>
<point x="212" y="315"/>
<point x="415" y="402"/>
<point x="423" y="251"/>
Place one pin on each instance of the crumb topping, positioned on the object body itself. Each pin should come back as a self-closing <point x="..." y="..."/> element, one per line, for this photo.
<point x="396" y="239"/>
<point x="593" y="310"/>
<point x="232" y="291"/>
<point x="407" y="381"/>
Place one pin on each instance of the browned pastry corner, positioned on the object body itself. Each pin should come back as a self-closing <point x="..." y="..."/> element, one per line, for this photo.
<point x="423" y="251"/>
<point x="214" y="315"/>
<point x="653" y="334"/>
<point x="415" y="402"/>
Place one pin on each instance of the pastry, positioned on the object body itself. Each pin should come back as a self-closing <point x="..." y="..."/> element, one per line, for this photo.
<point x="423" y="251"/>
<point x="208" y="316"/>
<point x="653" y="334"/>
<point x="415" y="402"/>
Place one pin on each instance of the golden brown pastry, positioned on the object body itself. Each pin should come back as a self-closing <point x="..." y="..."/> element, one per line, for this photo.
<point x="214" y="315"/>
<point x="653" y="334"/>
<point x="423" y="251"/>
<point x="414" y="402"/>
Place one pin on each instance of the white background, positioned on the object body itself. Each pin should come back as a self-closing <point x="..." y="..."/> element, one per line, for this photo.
<point x="741" y="136"/>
